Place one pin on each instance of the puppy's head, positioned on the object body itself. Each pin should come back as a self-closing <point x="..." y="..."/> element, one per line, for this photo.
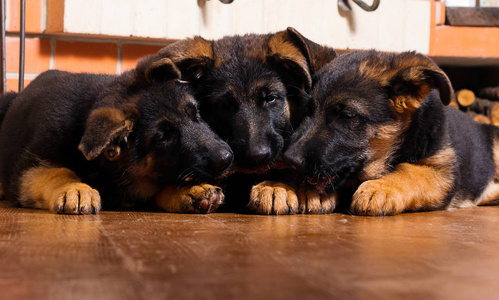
<point x="149" y="125"/>
<point x="364" y="105"/>
<point x="253" y="89"/>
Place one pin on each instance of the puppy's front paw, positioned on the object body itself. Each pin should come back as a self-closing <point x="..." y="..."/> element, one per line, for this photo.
<point x="203" y="198"/>
<point x="272" y="197"/>
<point x="312" y="202"/>
<point x="376" y="198"/>
<point x="75" y="198"/>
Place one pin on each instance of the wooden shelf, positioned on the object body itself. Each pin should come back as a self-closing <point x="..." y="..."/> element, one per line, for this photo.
<point x="464" y="45"/>
<point x="482" y="42"/>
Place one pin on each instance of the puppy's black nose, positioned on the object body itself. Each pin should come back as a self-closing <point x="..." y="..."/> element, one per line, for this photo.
<point x="293" y="160"/>
<point x="223" y="159"/>
<point x="260" y="154"/>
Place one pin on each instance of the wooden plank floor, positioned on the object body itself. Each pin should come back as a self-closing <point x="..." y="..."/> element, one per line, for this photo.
<point x="144" y="255"/>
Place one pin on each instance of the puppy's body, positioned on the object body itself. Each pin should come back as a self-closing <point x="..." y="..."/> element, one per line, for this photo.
<point x="69" y="140"/>
<point x="380" y="123"/>
<point x="476" y="168"/>
<point x="253" y="91"/>
<point x="38" y="129"/>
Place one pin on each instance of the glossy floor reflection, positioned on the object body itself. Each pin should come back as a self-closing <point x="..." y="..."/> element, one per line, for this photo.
<point x="142" y="255"/>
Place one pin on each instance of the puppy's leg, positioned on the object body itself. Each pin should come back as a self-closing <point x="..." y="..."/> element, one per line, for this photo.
<point x="273" y="197"/>
<point x="408" y="188"/>
<point x="312" y="202"/>
<point x="58" y="190"/>
<point x="490" y="195"/>
<point x="203" y="198"/>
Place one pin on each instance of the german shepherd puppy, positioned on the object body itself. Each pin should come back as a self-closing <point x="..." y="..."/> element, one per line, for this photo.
<point x="253" y="90"/>
<point x="72" y="143"/>
<point x="380" y="124"/>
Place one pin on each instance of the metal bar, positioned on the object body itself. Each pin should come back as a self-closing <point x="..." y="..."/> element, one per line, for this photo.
<point x="344" y="6"/>
<point x="366" y="6"/>
<point x="21" y="45"/>
<point x="4" y="80"/>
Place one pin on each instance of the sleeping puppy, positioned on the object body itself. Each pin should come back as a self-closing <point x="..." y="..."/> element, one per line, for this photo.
<point x="73" y="143"/>
<point x="380" y="124"/>
<point x="253" y="90"/>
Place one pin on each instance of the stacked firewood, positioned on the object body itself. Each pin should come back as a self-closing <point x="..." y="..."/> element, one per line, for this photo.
<point x="482" y="108"/>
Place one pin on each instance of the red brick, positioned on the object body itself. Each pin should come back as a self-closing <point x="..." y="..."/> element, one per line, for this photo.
<point x="86" y="57"/>
<point x="37" y="55"/>
<point x="33" y="16"/>
<point x="13" y="84"/>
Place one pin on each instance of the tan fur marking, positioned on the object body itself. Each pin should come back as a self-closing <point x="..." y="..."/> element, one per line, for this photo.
<point x="114" y="115"/>
<point x="384" y="141"/>
<point x="490" y="194"/>
<point x="287" y="111"/>
<point x="144" y="183"/>
<point x="408" y="104"/>
<point x="410" y="187"/>
<point x="313" y="202"/>
<point x="460" y="201"/>
<point x="188" y="199"/>
<point x="273" y="197"/>
<point x="279" y="45"/>
<point x="57" y="190"/>
<point x="444" y="158"/>
<point x="410" y="68"/>
<point x="103" y="125"/>
<point x="495" y="155"/>
<point x="195" y="47"/>
<point x="378" y="69"/>
<point x="403" y="104"/>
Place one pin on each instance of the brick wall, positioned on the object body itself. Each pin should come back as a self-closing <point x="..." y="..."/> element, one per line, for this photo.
<point x="81" y="55"/>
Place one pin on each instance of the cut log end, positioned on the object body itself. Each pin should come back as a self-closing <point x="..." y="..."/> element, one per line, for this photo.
<point x="465" y="97"/>
<point x="478" y="117"/>
<point x="481" y="119"/>
<point x="494" y="111"/>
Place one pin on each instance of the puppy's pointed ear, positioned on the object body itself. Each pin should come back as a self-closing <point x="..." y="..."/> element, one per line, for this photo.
<point x="416" y="75"/>
<point x="192" y="56"/>
<point x="158" y="69"/>
<point x="317" y="55"/>
<point x="287" y="56"/>
<point x="105" y="130"/>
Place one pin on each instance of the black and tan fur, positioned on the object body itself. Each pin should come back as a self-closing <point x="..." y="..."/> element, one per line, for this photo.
<point x="253" y="91"/>
<point x="74" y="143"/>
<point x="380" y="126"/>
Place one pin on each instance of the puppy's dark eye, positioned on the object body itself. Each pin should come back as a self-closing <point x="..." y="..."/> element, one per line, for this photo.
<point x="343" y="114"/>
<point x="166" y="133"/>
<point x="348" y="115"/>
<point x="270" y="98"/>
